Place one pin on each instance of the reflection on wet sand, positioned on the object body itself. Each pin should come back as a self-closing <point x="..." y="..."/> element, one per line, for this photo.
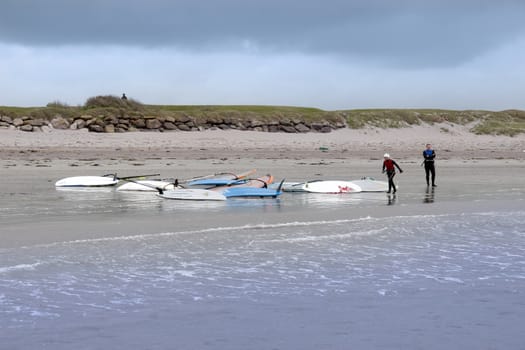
<point x="391" y="199"/>
<point x="429" y="195"/>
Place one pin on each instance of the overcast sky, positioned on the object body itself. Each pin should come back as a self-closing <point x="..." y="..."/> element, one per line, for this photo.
<point x="330" y="54"/>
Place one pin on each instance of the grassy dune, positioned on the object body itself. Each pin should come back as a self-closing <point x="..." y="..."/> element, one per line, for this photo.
<point x="508" y="122"/>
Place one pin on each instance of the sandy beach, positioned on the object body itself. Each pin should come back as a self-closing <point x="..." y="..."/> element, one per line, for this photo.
<point x="364" y="144"/>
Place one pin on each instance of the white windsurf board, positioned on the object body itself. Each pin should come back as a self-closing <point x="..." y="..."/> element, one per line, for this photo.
<point x="331" y="186"/>
<point x="87" y="181"/>
<point x="371" y="185"/>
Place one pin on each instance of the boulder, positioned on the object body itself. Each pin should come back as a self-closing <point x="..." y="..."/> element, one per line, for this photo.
<point x="190" y="123"/>
<point x="169" y="126"/>
<point x="26" y="127"/>
<point x="95" y="128"/>
<point x="37" y="122"/>
<point x="254" y="123"/>
<point x="271" y="128"/>
<point x="302" y="128"/>
<point x="59" y="122"/>
<point x="78" y="124"/>
<point x="183" y="118"/>
<point x="122" y="127"/>
<point x="111" y="120"/>
<point x="6" y="119"/>
<point x="340" y="125"/>
<point x="183" y="127"/>
<point x="153" y="124"/>
<point x="288" y="128"/>
<point x="139" y="123"/>
<point x="318" y="126"/>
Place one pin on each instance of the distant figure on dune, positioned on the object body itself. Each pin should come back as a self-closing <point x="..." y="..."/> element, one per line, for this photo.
<point x="124" y="97"/>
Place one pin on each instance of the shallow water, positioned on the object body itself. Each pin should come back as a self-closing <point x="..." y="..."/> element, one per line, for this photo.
<point x="424" y="269"/>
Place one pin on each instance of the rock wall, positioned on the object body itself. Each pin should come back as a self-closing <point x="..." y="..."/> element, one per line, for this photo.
<point x="158" y="123"/>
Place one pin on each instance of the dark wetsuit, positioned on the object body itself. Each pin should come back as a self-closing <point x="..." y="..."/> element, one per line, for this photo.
<point x="390" y="166"/>
<point x="429" y="156"/>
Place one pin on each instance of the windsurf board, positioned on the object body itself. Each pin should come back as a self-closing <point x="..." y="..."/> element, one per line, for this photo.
<point x="87" y="181"/>
<point x="331" y="186"/>
<point x="195" y="194"/>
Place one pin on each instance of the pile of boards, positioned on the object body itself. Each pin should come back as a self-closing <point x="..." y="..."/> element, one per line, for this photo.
<point x="220" y="187"/>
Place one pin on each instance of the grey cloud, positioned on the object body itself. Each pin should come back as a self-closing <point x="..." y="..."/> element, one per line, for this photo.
<point x="412" y="33"/>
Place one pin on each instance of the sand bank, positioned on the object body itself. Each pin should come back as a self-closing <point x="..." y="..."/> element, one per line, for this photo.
<point x="449" y="141"/>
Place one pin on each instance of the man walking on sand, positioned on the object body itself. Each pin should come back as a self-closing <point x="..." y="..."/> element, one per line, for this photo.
<point x="429" y="156"/>
<point x="389" y="165"/>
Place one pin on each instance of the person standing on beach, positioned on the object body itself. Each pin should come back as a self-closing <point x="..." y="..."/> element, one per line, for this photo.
<point x="429" y="156"/>
<point x="389" y="166"/>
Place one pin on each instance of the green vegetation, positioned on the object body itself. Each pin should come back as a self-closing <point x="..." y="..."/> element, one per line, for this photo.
<point x="109" y="101"/>
<point x="510" y="122"/>
<point x="243" y="112"/>
<point x="398" y="118"/>
<point x="39" y="112"/>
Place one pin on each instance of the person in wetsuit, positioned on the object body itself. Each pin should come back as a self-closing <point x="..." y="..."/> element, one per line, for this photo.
<point x="389" y="166"/>
<point x="429" y="156"/>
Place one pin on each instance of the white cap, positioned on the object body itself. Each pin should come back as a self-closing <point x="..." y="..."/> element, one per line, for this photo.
<point x="386" y="155"/>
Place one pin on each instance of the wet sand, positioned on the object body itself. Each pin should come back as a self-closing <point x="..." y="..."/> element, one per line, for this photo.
<point x="31" y="203"/>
